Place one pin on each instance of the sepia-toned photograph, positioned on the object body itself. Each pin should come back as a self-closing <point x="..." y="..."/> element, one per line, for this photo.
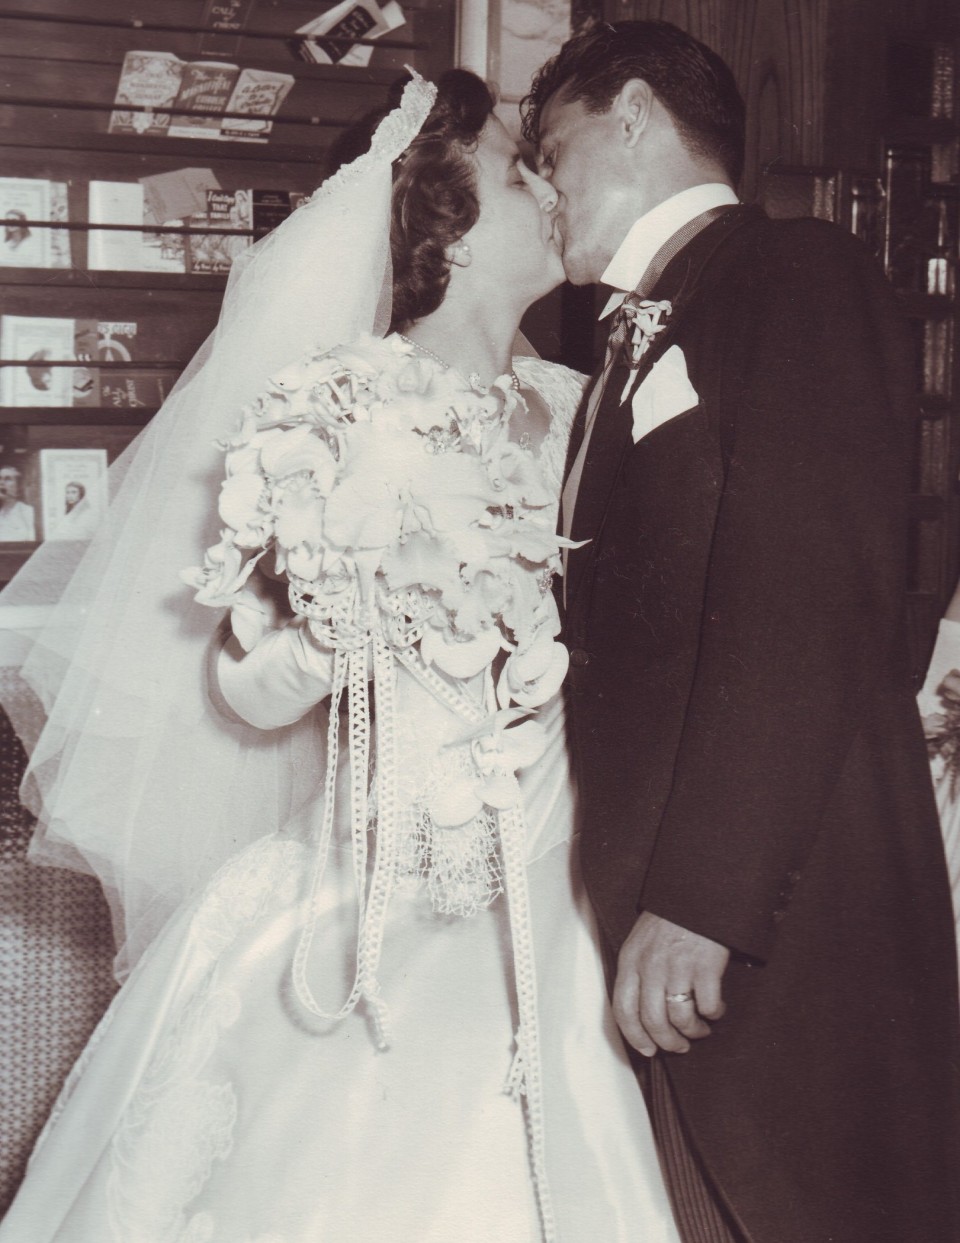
<point x="480" y="621"/>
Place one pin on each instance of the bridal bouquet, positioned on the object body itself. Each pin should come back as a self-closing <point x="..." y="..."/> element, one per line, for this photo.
<point x="390" y="495"/>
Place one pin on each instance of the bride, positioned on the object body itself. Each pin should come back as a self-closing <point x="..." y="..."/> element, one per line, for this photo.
<point x="329" y="1033"/>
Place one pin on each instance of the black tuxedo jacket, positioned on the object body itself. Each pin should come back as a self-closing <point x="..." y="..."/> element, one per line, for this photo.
<point x="749" y="755"/>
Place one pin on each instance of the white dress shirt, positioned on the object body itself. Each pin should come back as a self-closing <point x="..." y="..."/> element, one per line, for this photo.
<point x="652" y="232"/>
<point x="624" y="272"/>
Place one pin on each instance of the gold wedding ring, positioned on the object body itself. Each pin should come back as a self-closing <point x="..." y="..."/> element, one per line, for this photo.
<point x="679" y="997"/>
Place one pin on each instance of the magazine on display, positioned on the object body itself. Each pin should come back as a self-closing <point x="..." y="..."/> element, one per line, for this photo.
<point x="73" y="491"/>
<point x="24" y="245"/>
<point x="123" y="250"/>
<point x="36" y="341"/>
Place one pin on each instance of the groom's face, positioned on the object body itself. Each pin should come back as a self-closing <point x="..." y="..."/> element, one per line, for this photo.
<point x="580" y="155"/>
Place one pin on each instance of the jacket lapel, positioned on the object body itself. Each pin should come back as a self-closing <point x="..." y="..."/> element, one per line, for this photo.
<point x="612" y="436"/>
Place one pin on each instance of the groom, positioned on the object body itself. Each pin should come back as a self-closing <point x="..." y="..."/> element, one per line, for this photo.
<point x="758" y="831"/>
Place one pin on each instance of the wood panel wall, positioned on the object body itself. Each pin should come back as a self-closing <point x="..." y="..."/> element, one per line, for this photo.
<point x="811" y="72"/>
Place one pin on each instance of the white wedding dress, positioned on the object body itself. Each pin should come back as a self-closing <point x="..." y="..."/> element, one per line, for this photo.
<point x="209" y="1107"/>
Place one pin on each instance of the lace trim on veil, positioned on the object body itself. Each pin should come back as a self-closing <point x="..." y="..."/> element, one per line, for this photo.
<point x="393" y="135"/>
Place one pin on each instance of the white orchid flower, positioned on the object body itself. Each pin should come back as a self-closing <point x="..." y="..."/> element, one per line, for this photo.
<point x="299" y="450"/>
<point x="460" y="657"/>
<point x="499" y="749"/>
<point x="243" y="506"/>
<point x="223" y="573"/>
<point x="532" y="676"/>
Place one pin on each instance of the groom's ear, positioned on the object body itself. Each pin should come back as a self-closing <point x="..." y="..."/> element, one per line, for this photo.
<point x="633" y="108"/>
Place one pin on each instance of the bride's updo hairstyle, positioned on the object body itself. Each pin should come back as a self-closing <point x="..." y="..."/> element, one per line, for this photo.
<point x="435" y="200"/>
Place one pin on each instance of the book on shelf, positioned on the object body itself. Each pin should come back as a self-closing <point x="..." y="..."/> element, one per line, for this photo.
<point x="216" y="252"/>
<point x="157" y="82"/>
<point x="148" y="80"/>
<point x="263" y="210"/>
<point x="137" y="385"/>
<point x="226" y="15"/>
<point x="257" y="212"/>
<point x="19" y="495"/>
<point x="177" y="194"/>
<point x="259" y="94"/>
<point x="86" y="375"/>
<point x="23" y="199"/>
<point x="36" y="342"/>
<point x="117" y="250"/>
<point x="206" y="86"/>
<point x="329" y="35"/>
<point x="73" y="492"/>
<point x="136" y="388"/>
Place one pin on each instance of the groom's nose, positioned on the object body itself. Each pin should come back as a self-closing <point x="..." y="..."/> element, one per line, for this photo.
<point x="541" y="189"/>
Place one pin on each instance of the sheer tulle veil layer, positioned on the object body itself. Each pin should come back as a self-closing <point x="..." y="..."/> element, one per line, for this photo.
<point x="133" y="775"/>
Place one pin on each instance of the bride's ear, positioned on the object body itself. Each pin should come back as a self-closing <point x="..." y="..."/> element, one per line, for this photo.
<point x="458" y="254"/>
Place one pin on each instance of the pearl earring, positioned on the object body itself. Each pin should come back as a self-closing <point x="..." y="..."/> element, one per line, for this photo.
<point x="459" y="254"/>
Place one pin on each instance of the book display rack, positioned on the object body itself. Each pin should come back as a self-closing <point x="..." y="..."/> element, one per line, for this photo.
<point x="142" y="147"/>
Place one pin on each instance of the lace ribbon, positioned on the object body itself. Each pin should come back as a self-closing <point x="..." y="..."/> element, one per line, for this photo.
<point x="350" y="676"/>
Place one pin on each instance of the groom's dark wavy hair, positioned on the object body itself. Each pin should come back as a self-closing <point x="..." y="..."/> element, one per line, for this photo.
<point x="435" y="199"/>
<point x="695" y="86"/>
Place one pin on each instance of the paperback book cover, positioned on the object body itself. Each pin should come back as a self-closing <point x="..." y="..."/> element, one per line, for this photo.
<point x="206" y="86"/>
<point x="73" y="491"/>
<point x="102" y="341"/>
<point x="136" y="383"/>
<point x="19" y="496"/>
<point x="125" y="250"/>
<point x="264" y="209"/>
<point x="256" y="211"/>
<point x="86" y="375"/>
<point x="258" y="93"/>
<point x="35" y="341"/>
<point x="176" y="194"/>
<point x="138" y="388"/>
<point x="149" y="80"/>
<point x="26" y="245"/>
<point x="216" y="252"/>
<point x="330" y="34"/>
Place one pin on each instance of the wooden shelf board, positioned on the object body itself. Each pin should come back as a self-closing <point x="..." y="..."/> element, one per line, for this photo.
<point x="51" y="138"/>
<point x="75" y="416"/>
<point x="47" y="278"/>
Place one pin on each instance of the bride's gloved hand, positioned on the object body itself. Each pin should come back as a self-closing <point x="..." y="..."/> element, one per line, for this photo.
<point x="278" y="681"/>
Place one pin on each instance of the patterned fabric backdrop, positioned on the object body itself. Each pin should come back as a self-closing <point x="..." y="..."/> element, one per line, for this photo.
<point x="55" y="954"/>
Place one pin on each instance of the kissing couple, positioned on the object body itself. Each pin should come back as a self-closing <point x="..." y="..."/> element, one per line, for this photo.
<point x="401" y="961"/>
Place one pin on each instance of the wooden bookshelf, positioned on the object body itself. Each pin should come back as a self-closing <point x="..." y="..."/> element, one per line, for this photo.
<point x="60" y="63"/>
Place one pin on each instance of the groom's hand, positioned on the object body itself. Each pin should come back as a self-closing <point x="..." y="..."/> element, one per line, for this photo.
<point x="659" y="965"/>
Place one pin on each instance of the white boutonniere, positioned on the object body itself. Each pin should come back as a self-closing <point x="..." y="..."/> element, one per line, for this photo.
<point x="643" y="320"/>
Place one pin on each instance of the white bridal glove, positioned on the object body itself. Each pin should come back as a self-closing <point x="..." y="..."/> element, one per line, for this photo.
<point x="276" y="683"/>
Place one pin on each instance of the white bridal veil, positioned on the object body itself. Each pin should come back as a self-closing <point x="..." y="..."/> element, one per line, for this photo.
<point x="133" y="775"/>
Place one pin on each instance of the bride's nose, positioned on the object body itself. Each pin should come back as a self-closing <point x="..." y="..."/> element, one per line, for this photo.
<point x="540" y="188"/>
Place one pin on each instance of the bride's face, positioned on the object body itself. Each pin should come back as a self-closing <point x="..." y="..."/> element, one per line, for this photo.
<point x="513" y="244"/>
